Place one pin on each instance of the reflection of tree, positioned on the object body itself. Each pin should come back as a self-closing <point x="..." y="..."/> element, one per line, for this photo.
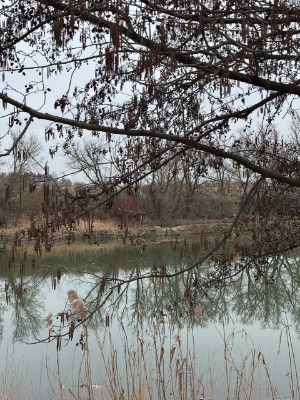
<point x="26" y="305"/>
<point x="248" y="289"/>
<point x="263" y="291"/>
<point x="3" y="308"/>
<point x="162" y="299"/>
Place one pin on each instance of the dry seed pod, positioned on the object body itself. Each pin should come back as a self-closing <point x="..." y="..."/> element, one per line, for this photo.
<point x="58" y="343"/>
<point x="102" y="285"/>
<point x="71" y="330"/>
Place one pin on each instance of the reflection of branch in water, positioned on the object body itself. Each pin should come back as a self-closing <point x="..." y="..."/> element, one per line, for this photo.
<point x="26" y="304"/>
<point x="175" y="298"/>
<point x="185" y="299"/>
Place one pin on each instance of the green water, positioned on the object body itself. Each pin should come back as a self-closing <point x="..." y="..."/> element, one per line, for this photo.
<point x="131" y="303"/>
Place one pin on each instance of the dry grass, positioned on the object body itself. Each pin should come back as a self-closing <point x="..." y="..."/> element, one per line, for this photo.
<point x="133" y="376"/>
<point x="12" y="387"/>
<point x="112" y="226"/>
<point x="162" y="366"/>
<point x="82" y="226"/>
<point x="108" y="225"/>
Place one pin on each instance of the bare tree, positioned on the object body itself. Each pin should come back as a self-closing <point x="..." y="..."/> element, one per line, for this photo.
<point x="27" y="153"/>
<point x="93" y="160"/>
<point x="168" y="79"/>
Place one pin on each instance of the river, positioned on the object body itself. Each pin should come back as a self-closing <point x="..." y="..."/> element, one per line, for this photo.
<point x="202" y="334"/>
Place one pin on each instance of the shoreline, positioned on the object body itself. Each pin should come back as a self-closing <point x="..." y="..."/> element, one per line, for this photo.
<point x="106" y="232"/>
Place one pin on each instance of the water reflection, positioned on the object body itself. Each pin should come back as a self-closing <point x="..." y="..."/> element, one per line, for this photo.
<point x="25" y="303"/>
<point x="144" y="296"/>
<point x="262" y="290"/>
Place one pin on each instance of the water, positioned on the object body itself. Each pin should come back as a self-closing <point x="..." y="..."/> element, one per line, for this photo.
<point x="158" y="337"/>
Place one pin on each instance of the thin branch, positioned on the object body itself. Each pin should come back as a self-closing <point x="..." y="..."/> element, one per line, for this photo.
<point x="16" y="141"/>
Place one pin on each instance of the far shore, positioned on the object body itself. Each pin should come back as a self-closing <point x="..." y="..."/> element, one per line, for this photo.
<point x="110" y="230"/>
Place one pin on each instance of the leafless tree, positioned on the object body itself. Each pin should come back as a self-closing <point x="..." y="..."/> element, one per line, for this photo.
<point x="168" y="78"/>
<point x="27" y="153"/>
<point x="92" y="159"/>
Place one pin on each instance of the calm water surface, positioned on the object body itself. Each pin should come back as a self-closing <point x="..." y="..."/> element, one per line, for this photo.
<point x="166" y="337"/>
